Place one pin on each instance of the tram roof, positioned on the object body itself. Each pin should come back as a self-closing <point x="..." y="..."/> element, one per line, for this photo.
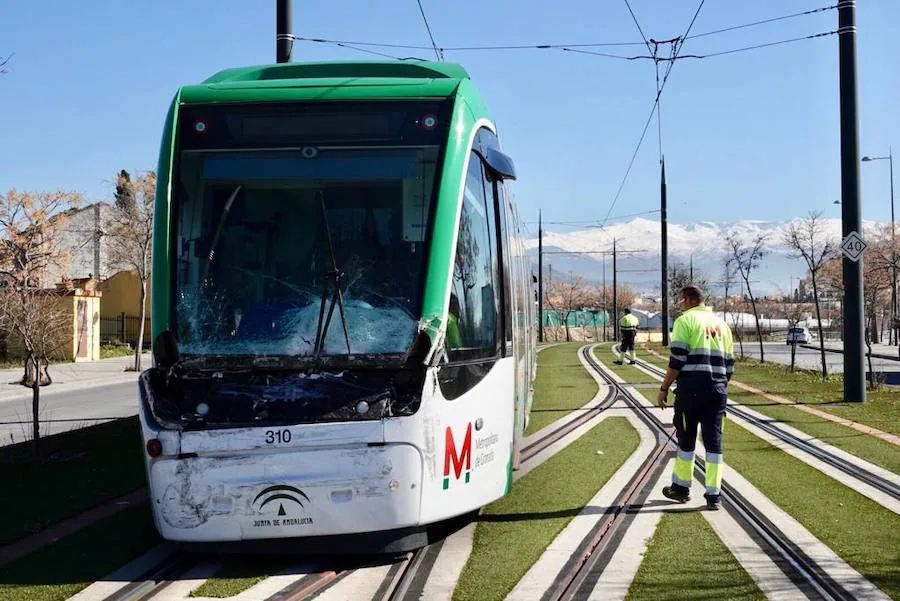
<point x="331" y="80"/>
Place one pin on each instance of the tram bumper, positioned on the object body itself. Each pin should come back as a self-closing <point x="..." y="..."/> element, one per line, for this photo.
<point x="287" y="493"/>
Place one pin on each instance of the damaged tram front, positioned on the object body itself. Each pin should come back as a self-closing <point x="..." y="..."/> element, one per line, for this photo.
<point x="302" y="385"/>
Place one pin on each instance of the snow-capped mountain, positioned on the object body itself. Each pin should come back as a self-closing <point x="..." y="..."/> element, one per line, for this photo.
<point x="703" y="242"/>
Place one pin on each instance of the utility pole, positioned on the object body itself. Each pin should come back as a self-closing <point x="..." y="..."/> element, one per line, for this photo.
<point x="851" y="213"/>
<point x="605" y="305"/>
<point x="664" y="251"/>
<point x="895" y="331"/>
<point x="284" y="39"/>
<point x="615" y="296"/>
<point x="540" y="280"/>
<point x="692" y="268"/>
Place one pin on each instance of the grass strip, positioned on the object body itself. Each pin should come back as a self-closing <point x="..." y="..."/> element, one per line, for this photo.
<point x="880" y="410"/>
<point x="69" y="565"/>
<point x="240" y="573"/>
<point x="75" y="471"/>
<point x="862" y="445"/>
<point x="861" y="532"/>
<point x="514" y="531"/>
<point x="562" y="385"/>
<point x="709" y="571"/>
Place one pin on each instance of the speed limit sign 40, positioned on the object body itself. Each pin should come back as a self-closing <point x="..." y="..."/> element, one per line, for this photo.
<point x="853" y="246"/>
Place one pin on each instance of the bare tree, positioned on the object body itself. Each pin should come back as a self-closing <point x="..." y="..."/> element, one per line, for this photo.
<point x="807" y="239"/>
<point x="131" y="235"/>
<point x="680" y="276"/>
<point x="567" y="295"/>
<point x="746" y="259"/>
<point x="30" y="226"/>
<point x="4" y="60"/>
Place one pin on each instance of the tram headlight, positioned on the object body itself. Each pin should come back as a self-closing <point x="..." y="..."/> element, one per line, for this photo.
<point x="362" y="407"/>
<point x="154" y="447"/>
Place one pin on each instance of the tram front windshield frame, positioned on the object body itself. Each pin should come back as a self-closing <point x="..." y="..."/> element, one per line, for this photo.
<point x="276" y="208"/>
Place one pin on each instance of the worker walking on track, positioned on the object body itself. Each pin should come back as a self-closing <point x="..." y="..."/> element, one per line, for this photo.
<point x="702" y="362"/>
<point x="628" y="326"/>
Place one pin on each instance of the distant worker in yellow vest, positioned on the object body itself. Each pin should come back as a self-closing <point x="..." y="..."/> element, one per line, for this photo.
<point x="628" y="326"/>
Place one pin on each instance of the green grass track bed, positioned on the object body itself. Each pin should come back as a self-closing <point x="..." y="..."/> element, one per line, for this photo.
<point x="562" y="385"/>
<point x="686" y="560"/>
<point x="514" y="531"/>
<point x="861" y="532"/>
<point x="239" y="574"/>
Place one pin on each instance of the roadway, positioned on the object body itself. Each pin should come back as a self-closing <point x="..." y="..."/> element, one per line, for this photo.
<point x="83" y="406"/>
<point x="810" y="359"/>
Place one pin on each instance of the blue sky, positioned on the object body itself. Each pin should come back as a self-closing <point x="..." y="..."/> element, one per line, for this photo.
<point x="752" y="135"/>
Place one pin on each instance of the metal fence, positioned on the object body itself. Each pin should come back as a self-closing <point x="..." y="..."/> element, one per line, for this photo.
<point x="123" y="329"/>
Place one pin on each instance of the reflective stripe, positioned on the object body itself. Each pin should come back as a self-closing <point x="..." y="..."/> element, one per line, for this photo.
<point x="714" y="469"/>
<point x="707" y="352"/>
<point x="677" y="344"/>
<point x="712" y="369"/>
<point x="684" y="483"/>
<point x="685" y="455"/>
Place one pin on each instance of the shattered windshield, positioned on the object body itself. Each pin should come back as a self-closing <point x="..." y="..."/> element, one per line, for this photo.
<point x="255" y="272"/>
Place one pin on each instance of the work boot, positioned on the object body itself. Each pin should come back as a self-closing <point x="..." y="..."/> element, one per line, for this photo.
<point x="676" y="492"/>
<point x="713" y="502"/>
<point x="617" y="362"/>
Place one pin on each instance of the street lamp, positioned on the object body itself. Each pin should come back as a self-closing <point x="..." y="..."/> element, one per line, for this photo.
<point x="890" y="160"/>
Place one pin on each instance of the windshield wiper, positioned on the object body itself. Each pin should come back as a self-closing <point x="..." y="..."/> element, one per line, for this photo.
<point x="333" y="277"/>
<point x="219" y="226"/>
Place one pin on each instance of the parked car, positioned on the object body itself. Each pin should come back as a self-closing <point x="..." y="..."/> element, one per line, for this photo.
<point x="799" y="336"/>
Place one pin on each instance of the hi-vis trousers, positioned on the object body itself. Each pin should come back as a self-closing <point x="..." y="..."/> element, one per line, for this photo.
<point x="705" y="409"/>
<point x="626" y="347"/>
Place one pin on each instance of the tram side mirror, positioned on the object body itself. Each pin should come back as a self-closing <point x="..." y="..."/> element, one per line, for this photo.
<point x="501" y="164"/>
<point x="165" y="349"/>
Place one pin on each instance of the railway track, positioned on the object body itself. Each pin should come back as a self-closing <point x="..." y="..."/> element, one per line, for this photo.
<point x="892" y="489"/>
<point x="797" y="565"/>
<point x="404" y="578"/>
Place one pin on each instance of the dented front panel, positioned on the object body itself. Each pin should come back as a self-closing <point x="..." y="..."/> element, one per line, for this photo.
<point x="286" y="493"/>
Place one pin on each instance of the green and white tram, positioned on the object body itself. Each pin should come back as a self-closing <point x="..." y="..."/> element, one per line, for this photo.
<point x="342" y="308"/>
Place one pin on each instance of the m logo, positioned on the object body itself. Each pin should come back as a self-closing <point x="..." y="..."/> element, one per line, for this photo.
<point x="457" y="459"/>
<point x="280" y="493"/>
<point x="713" y="331"/>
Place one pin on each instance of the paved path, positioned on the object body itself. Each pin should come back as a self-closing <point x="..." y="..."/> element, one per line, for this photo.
<point x="82" y="394"/>
<point x="808" y="358"/>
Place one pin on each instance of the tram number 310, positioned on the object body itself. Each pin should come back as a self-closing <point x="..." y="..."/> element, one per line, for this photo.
<point x="278" y="436"/>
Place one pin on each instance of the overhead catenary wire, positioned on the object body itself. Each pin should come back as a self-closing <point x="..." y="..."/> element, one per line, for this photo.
<point x="367" y="51"/>
<point x="638" y="25"/>
<point x="569" y="47"/>
<point x="757" y="46"/>
<point x="652" y="110"/>
<point x="763" y="22"/>
<point x="434" y="45"/>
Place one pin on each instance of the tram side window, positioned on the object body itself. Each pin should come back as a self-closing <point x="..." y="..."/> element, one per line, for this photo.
<point x="473" y="320"/>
